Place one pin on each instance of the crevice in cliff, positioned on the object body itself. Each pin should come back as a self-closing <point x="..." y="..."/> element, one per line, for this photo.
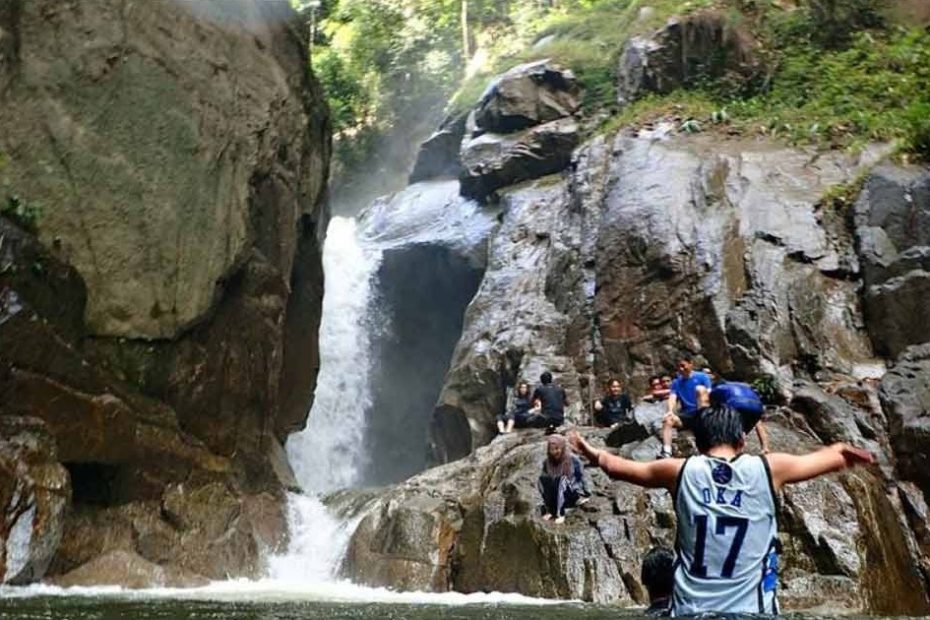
<point x="95" y="484"/>
<point x="422" y="291"/>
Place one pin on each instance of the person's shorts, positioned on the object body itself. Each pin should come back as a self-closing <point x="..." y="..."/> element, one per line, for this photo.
<point x="689" y="420"/>
<point x="505" y="417"/>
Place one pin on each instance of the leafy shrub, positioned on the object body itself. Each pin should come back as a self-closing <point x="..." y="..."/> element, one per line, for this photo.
<point x="767" y="388"/>
<point x="25" y="214"/>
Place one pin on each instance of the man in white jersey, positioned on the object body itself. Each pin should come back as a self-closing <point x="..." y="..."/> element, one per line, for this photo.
<point x="725" y="504"/>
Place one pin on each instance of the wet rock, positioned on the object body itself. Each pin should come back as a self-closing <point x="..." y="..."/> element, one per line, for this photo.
<point x="439" y="157"/>
<point x="527" y="95"/>
<point x="515" y="327"/>
<point x="687" y="50"/>
<point x="905" y="398"/>
<point x="432" y="245"/>
<point x="474" y="525"/>
<point x="35" y="491"/>
<point x="128" y="570"/>
<point x="207" y="531"/>
<point x="492" y="161"/>
<point x="173" y="342"/>
<point x="714" y="249"/>
<point x="892" y="217"/>
<point x="833" y="419"/>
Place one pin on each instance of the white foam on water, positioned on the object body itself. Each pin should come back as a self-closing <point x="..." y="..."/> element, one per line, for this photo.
<point x="272" y="590"/>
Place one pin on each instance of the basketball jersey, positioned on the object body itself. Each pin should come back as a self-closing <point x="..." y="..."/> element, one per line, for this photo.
<point x="727" y="560"/>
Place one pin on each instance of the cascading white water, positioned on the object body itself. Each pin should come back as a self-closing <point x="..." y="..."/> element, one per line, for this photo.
<point x="331" y="452"/>
<point x="328" y="454"/>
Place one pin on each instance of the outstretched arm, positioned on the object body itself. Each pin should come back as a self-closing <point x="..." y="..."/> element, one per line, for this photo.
<point x="662" y="474"/>
<point x="788" y="468"/>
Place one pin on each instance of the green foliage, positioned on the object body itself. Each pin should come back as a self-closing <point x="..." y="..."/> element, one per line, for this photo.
<point x="832" y="22"/>
<point x="767" y="388"/>
<point x="875" y="88"/>
<point x="585" y="36"/>
<point x="25" y="214"/>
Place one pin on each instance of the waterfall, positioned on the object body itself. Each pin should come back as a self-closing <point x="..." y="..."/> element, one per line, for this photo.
<point x="334" y="450"/>
<point x="329" y="453"/>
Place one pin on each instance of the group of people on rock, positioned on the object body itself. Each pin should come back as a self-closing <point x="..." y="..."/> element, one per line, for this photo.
<point x="544" y="408"/>
<point x="726" y="556"/>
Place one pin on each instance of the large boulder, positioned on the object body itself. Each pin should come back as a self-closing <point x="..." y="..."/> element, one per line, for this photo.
<point x="474" y="526"/>
<point x="156" y="151"/>
<point x="35" y="491"/>
<point x="527" y="95"/>
<point x="892" y="220"/>
<point x="684" y="52"/>
<point x="161" y="320"/>
<point x="439" y="156"/>
<point x="492" y="161"/>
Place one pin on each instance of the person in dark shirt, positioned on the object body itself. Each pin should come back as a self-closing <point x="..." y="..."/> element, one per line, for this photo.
<point x="552" y="399"/>
<point x="614" y="407"/>
<point x="523" y="414"/>
<point x="658" y="575"/>
<point x="561" y="483"/>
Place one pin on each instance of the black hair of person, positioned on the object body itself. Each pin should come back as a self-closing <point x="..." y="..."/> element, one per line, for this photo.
<point x="718" y="425"/>
<point x="658" y="572"/>
<point x="545" y="378"/>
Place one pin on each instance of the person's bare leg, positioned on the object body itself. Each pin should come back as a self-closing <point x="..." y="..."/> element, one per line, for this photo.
<point x="669" y="422"/>
<point x="500" y="427"/>
<point x="509" y="426"/>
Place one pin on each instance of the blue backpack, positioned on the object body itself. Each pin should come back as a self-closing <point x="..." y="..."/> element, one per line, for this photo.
<point x="739" y="396"/>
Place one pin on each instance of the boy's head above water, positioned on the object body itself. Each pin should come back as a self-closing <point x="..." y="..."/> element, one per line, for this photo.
<point x="719" y="425"/>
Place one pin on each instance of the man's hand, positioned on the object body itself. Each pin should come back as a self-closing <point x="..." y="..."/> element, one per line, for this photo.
<point x="856" y="456"/>
<point x="581" y="446"/>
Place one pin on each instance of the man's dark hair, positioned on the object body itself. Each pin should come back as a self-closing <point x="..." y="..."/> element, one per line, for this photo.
<point x="546" y="378"/>
<point x="718" y="425"/>
<point x="658" y="572"/>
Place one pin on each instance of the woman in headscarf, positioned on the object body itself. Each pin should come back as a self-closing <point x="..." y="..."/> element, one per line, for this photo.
<point x="561" y="484"/>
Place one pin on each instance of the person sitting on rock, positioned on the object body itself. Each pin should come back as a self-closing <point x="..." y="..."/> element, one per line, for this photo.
<point x="725" y="505"/>
<point x="523" y="414"/>
<point x="658" y="575"/>
<point x="657" y="390"/>
<point x="561" y="483"/>
<point x="552" y="400"/>
<point x="690" y="390"/>
<point x="614" y="407"/>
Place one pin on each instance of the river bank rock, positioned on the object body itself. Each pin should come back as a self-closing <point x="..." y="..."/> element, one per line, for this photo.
<point x="159" y="312"/>
<point x="35" y="491"/>
<point x="474" y="526"/>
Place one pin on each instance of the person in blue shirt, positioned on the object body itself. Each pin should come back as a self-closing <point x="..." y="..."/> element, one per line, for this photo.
<point x="690" y="392"/>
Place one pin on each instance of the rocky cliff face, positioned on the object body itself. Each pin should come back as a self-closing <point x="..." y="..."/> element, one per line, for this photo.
<point x="645" y="246"/>
<point x="161" y="323"/>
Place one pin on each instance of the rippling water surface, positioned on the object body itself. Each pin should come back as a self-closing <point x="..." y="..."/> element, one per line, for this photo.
<point x="113" y="608"/>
